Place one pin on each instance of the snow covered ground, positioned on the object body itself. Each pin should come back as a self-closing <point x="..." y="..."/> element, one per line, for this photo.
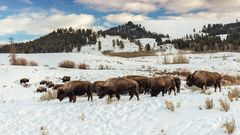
<point x="23" y="113"/>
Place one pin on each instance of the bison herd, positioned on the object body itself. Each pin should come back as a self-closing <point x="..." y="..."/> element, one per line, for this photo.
<point x="132" y="85"/>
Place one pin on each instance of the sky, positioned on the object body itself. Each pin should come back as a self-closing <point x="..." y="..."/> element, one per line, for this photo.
<point x="29" y="19"/>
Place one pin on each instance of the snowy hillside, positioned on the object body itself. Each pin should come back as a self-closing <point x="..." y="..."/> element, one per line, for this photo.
<point x="22" y="112"/>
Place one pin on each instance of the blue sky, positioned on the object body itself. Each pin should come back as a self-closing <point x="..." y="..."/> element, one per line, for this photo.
<point x="28" y="19"/>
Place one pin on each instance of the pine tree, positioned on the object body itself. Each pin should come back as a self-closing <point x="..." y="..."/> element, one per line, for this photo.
<point x="147" y="47"/>
<point x="99" y="46"/>
<point x="113" y="43"/>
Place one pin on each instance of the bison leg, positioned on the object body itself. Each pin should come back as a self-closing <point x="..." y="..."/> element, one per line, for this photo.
<point x="163" y="91"/>
<point x="118" y="96"/>
<point x="70" y="97"/>
<point x="131" y="95"/>
<point x="219" y="86"/>
<point x="215" y="86"/>
<point x="89" y="94"/>
<point x="74" y="98"/>
<point x="137" y="95"/>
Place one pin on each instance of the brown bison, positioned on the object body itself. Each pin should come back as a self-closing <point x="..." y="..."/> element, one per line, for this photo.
<point x="43" y="82"/>
<point x="202" y="79"/>
<point x="162" y="84"/>
<point x="24" y="80"/>
<point x="72" y="89"/>
<point x="140" y="80"/>
<point x="41" y="89"/>
<point x="56" y="86"/>
<point x="95" y="86"/>
<point x="49" y="84"/>
<point x="177" y="83"/>
<point x="66" y="78"/>
<point x="117" y="86"/>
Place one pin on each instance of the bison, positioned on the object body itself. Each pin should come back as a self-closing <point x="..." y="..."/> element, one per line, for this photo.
<point x="72" y="89"/>
<point x="66" y="78"/>
<point x="24" y="80"/>
<point x="162" y="84"/>
<point x="43" y="82"/>
<point x="202" y="79"/>
<point x="95" y="86"/>
<point x="49" y="84"/>
<point x="117" y="86"/>
<point x="177" y="83"/>
<point x="41" y="89"/>
<point x="140" y="80"/>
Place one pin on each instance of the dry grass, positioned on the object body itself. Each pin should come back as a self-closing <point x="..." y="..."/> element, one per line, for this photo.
<point x="44" y="131"/>
<point x="209" y="103"/>
<point x="166" y="60"/>
<point x="103" y="67"/>
<point x="50" y="95"/>
<point x="170" y="106"/>
<point x="19" y="62"/>
<point x="111" y="100"/>
<point x="83" y="66"/>
<point x="33" y="63"/>
<point x="67" y="64"/>
<point x="234" y="94"/>
<point x="130" y="54"/>
<point x="225" y="106"/>
<point x="82" y="116"/>
<point x="179" y="72"/>
<point x="180" y="59"/>
<point x="230" y="80"/>
<point x="229" y="126"/>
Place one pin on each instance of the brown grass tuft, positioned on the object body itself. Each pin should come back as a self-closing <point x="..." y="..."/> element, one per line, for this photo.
<point x="130" y="54"/>
<point x="50" y="95"/>
<point x="180" y="59"/>
<point x="20" y="62"/>
<point x="67" y="64"/>
<point x="170" y="106"/>
<point x="229" y="126"/>
<point x="83" y="66"/>
<point x="33" y="63"/>
<point x="230" y="80"/>
<point x="234" y="94"/>
<point x="209" y="103"/>
<point x="225" y="106"/>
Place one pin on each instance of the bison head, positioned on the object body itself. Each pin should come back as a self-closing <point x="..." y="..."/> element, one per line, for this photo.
<point x="154" y="93"/>
<point x="60" y="94"/>
<point x="190" y="81"/>
<point x="102" y="91"/>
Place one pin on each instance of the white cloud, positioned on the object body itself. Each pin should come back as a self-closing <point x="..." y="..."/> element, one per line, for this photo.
<point x="43" y="22"/>
<point x="3" y="8"/>
<point x="27" y="1"/>
<point x="124" y="17"/>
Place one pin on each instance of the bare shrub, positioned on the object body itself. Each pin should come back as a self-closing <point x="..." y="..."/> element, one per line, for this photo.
<point x="83" y="66"/>
<point x="130" y="54"/>
<point x="50" y="95"/>
<point x="166" y="59"/>
<point x="19" y="62"/>
<point x="229" y="126"/>
<point x="170" y="106"/>
<point x="209" y="103"/>
<point x="67" y="64"/>
<point x="33" y="63"/>
<point x="180" y="59"/>
<point x="225" y="106"/>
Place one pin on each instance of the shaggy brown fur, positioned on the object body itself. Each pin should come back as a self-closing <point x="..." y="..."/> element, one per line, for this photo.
<point x="49" y="84"/>
<point x="43" y="82"/>
<point x="72" y="89"/>
<point x="66" y="78"/>
<point x="95" y="85"/>
<point x="177" y="83"/>
<point x="162" y="84"/>
<point x="56" y="86"/>
<point x="41" y="89"/>
<point x="117" y="86"/>
<point x="139" y="79"/>
<point x="202" y="79"/>
<point x="24" y="80"/>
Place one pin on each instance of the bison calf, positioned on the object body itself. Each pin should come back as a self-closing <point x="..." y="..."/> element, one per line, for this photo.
<point x="66" y="78"/>
<point x="202" y="79"/>
<point x="72" y="89"/>
<point x="24" y="80"/>
<point x="41" y="89"/>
